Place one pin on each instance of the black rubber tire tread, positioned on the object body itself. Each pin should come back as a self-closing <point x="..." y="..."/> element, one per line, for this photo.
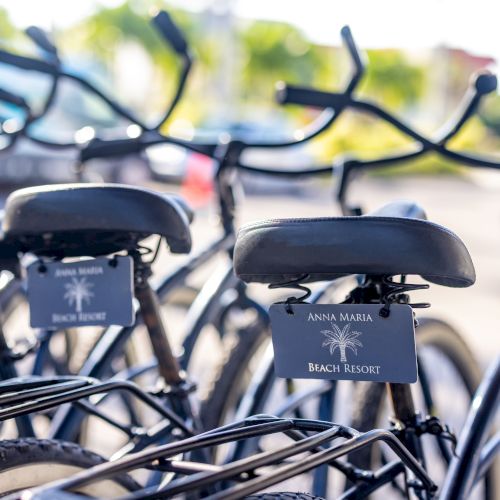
<point x="283" y="495"/>
<point x="25" y="451"/>
<point x="369" y="396"/>
<point x="228" y="375"/>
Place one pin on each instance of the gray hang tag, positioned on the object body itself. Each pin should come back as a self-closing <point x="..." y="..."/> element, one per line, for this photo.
<point x="344" y="342"/>
<point x="87" y="292"/>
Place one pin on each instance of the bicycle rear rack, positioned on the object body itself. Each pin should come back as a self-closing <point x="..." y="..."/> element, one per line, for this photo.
<point x="246" y="476"/>
<point x="29" y="395"/>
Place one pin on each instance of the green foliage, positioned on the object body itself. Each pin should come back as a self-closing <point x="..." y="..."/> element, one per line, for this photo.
<point x="268" y="52"/>
<point x="392" y="79"/>
<point x="277" y="51"/>
<point x="108" y="28"/>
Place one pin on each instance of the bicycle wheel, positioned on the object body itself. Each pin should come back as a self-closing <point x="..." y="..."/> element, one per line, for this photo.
<point x="234" y="395"/>
<point x="135" y="354"/>
<point x="27" y="463"/>
<point x="283" y="495"/>
<point x="235" y="371"/>
<point x="231" y="376"/>
<point x="62" y="350"/>
<point x="448" y="377"/>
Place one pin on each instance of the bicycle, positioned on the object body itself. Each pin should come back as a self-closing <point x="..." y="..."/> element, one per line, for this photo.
<point x="207" y="307"/>
<point x="368" y="406"/>
<point x="75" y="198"/>
<point x="232" y="370"/>
<point x="434" y="335"/>
<point x="441" y="257"/>
<point x="41" y="221"/>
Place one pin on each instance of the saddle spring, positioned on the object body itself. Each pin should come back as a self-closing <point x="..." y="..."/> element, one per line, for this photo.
<point x="143" y="250"/>
<point x="392" y="292"/>
<point x="395" y="292"/>
<point x="295" y="284"/>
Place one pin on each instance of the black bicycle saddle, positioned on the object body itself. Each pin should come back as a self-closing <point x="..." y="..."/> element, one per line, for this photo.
<point x="93" y="219"/>
<point x="394" y="240"/>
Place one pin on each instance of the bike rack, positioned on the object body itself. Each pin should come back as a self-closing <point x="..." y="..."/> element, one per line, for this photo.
<point x="27" y="395"/>
<point x="317" y="439"/>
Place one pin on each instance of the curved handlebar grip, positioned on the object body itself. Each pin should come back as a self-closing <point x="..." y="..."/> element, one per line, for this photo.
<point x="41" y="39"/>
<point x="19" y="101"/>
<point x="485" y="83"/>
<point x="355" y="54"/>
<point x="169" y="30"/>
<point x="316" y="98"/>
<point x="303" y="96"/>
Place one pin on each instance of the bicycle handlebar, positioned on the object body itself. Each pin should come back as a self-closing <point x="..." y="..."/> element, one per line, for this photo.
<point x="98" y="148"/>
<point x="41" y="39"/>
<point x="11" y="98"/>
<point x="303" y="96"/>
<point x="335" y="102"/>
<point x="356" y="56"/>
<point x="481" y="84"/>
<point x="28" y="63"/>
<point x="162" y="21"/>
<point x="174" y="36"/>
<point x="170" y="32"/>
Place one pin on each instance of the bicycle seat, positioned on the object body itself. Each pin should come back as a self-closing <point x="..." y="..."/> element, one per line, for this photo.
<point x="93" y="219"/>
<point x="388" y="242"/>
<point x="181" y="202"/>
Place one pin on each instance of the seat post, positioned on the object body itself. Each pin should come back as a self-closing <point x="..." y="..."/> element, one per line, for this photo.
<point x="168" y="365"/>
<point x="406" y="418"/>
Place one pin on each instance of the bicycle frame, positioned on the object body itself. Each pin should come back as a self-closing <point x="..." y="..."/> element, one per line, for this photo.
<point x="474" y="455"/>
<point x="67" y="420"/>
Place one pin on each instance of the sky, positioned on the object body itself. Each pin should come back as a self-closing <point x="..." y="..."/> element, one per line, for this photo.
<point x="472" y="25"/>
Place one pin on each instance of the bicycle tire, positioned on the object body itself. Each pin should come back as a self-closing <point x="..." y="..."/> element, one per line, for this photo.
<point x="30" y="462"/>
<point x="369" y="396"/>
<point x="283" y="495"/>
<point x="228" y="376"/>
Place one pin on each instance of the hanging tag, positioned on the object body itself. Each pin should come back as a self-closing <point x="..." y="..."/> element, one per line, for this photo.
<point x="344" y="342"/>
<point x="87" y="292"/>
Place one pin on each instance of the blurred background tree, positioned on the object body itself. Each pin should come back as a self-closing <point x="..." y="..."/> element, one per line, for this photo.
<point x="8" y="30"/>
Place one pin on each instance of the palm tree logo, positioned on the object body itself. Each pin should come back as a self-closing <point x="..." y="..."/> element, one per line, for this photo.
<point x="342" y="340"/>
<point x="78" y="291"/>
